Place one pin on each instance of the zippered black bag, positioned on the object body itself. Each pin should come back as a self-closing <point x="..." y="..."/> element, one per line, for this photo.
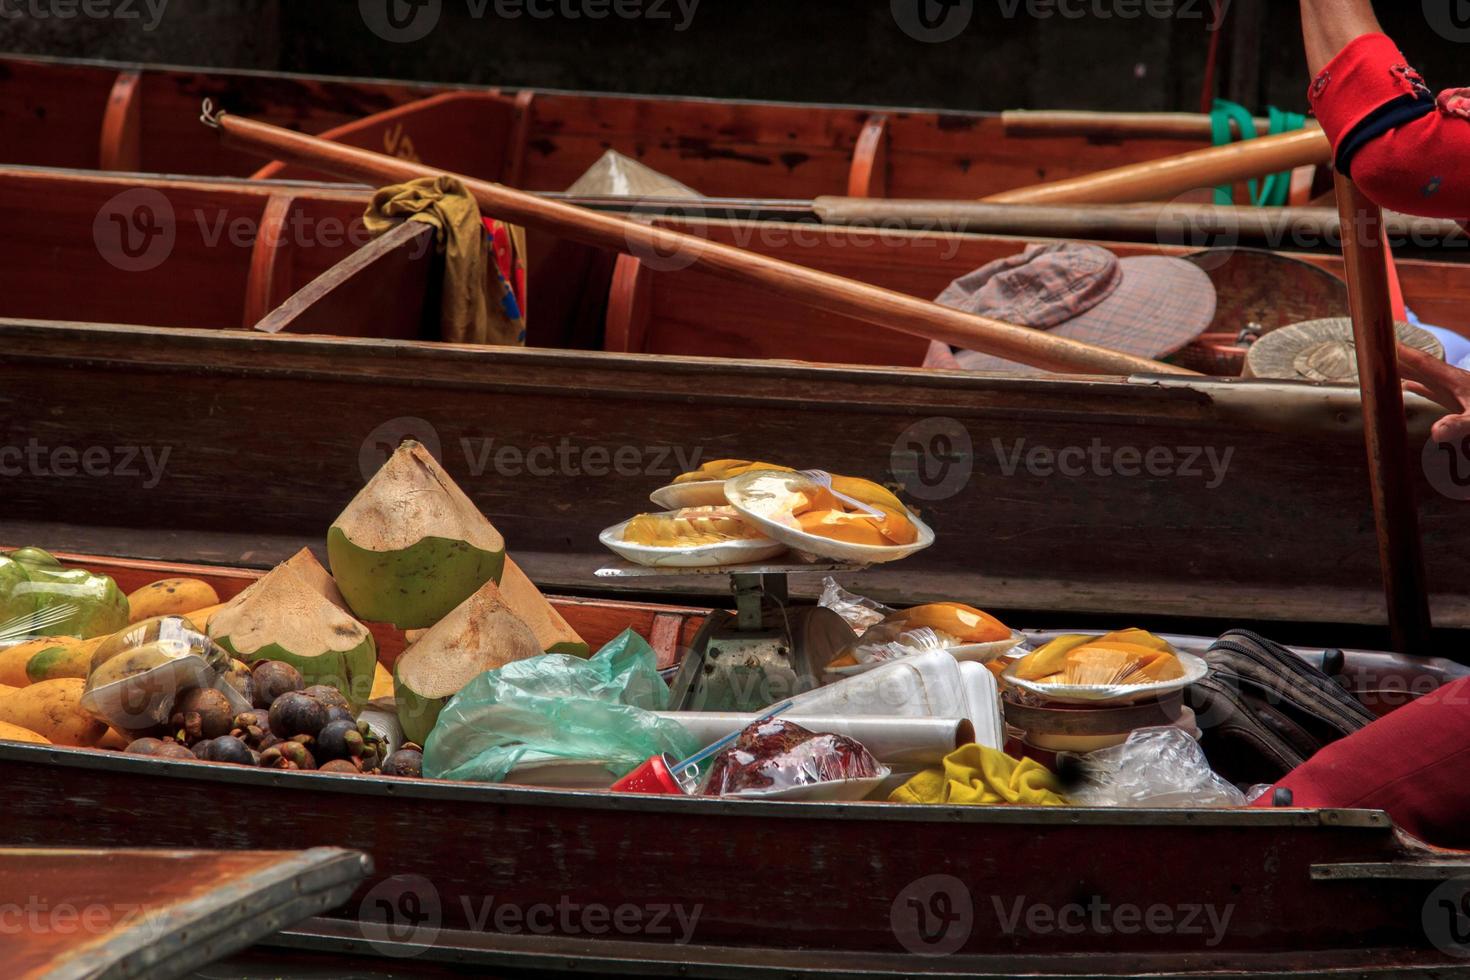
<point x="1262" y="710"/>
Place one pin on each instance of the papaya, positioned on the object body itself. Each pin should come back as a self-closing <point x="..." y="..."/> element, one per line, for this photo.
<point x="170" y="597"/>
<point x="15" y="733"/>
<point x="62" y="660"/>
<point x="200" y="617"/>
<point x="53" y="709"/>
<point x="15" y="660"/>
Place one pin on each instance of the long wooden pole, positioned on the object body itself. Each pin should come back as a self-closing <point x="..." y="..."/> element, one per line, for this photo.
<point x="818" y="290"/>
<point x="1390" y="465"/>
<point x="1024" y="123"/>
<point x="1168" y="177"/>
<point x="1156" y="222"/>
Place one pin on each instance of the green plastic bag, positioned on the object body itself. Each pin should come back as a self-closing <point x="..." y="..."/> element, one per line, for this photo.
<point x="558" y="707"/>
<point x="40" y="598"/>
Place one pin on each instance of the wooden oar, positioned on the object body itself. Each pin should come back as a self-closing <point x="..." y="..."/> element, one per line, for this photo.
<point x="1117" y="125"/>
<point x="1390" y="464"/>
<point x="1157" y="222"/>
<point x="818" y="290"/>
<point x="1171" y="176"/>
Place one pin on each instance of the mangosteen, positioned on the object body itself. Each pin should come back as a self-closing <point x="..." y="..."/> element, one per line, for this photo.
<point x="173" y="750"/>
<point x="339" y="740"/>
<point x="201" y="749"/>
<point x="287" y="755"/>
<point x="405" y="762"/>
<point x="338" y="713"/>
<point x="340" y="765"/>
<point x="271" y="679"/>
<point x="203" y="713"/>
<point x="297" y="713"/>
<point x="227" y="748"/>
<point x="144" y="746"/>
<point x="329" y="696"/>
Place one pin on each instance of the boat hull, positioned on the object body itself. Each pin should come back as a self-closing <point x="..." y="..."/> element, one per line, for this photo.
<point x="928" y="887"/>
<point x="258" y="442"/>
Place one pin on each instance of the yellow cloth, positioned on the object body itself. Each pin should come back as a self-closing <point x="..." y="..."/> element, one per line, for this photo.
<point x="982" y="775"/>
<point x="467" y="314"/>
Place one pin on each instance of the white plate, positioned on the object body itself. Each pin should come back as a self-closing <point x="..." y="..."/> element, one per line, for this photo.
<point x="677" y="496"/>
<point x="979" y="653"/>
<point x="836" y="790"/>
<point x="700" y="556"/>
<point x="738" y="493"/>
<point x="1194" y="670"/>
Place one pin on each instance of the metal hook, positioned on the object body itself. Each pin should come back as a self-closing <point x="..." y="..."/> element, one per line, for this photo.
<point x="209" y="115"/>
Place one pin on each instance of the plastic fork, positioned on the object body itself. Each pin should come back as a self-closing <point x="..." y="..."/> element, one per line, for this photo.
<point x="825" y="479"/>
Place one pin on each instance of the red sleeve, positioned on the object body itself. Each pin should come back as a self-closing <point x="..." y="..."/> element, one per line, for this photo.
<point x="1406" y="149"/>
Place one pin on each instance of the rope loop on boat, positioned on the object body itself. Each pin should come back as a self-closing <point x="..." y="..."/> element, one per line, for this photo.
<point x="209" y="115"/>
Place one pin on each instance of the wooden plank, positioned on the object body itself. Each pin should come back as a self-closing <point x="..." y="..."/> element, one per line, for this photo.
<point x="389" y="288"/>
<point x="113" y="913"/>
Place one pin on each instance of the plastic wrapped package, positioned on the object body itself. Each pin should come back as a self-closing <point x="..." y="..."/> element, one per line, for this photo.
<point x="38" y="597"/>
<point x="776" y="758"/>
<point x="894" y="641"/>
<point x="859" y="611"/>
<point x="556" y="707"/>
<point x="137" y="673"/>
<point x="1156" y="767"/>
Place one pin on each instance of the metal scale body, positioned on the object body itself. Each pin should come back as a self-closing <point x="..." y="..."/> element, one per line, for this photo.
<point x="765" y="651"/>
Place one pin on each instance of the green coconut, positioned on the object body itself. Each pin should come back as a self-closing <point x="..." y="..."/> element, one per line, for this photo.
<point x="411" y="546"/>
<point x="35" y="556"/>
<point x="480" y="634"/>
<point x="283" y="617"/>
<point x="553" y="632"/>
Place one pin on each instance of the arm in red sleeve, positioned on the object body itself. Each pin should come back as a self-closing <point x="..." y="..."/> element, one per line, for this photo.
<point x="1406" y="149"/>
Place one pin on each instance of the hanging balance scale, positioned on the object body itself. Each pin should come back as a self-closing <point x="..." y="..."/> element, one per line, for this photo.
<point x="765" y="651"/>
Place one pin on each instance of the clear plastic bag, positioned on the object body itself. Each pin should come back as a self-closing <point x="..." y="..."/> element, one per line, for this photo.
<point x="38" y="597"/>
<point x="557" y="707"/>
<point x="775" y="755"/>
<point x="860" y="612"/>
<point x="137" y="673"/>
<point x="1156" y="767"/>
<point x="892" y="641"/>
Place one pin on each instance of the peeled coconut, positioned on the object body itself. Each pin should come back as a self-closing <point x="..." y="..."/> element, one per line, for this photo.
<point x="411" y="546"/>
<point x="553" y="633"/>
<point x="480" y="634"/>
<point x="283" y="617"/>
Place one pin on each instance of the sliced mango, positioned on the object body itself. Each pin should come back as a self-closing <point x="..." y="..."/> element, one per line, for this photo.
<point x="965" y="623"/>
<point x="1050" y="658"/>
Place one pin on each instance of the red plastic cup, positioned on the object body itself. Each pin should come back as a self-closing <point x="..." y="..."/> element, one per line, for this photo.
<point x="654" y="775"/>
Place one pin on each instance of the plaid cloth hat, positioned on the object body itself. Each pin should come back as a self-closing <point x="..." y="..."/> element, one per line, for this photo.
<point x="1148" y="305"/>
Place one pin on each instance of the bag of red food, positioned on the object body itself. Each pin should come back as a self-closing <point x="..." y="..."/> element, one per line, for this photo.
<point x="776" y="759"/>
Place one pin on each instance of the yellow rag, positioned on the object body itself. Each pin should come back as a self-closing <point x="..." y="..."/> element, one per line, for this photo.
<point x="467" y="314"/>
<point x="979" y="774"/>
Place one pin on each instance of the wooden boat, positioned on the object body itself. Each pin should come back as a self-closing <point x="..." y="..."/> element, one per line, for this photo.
<point x="114" y="116"/>
<point x="114" y="913"/>
<point x="949" y="441"/>
<point x="918" y="889"/>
